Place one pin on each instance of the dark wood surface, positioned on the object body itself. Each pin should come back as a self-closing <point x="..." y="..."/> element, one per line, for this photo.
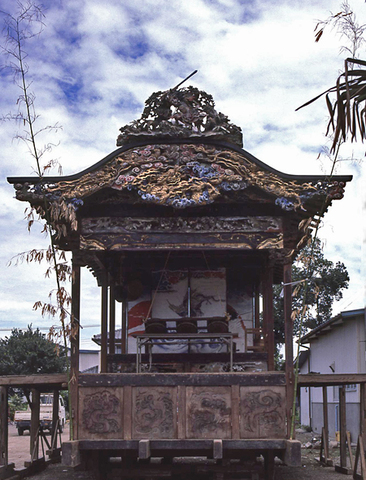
<point x="287" y="310"/>
<point x="3" y="426"/>
<point x="45" y="382"/>
<point x="75" y="348"/>
<point x="330" y="379"/>
<point x="35" y="417"/>
<point x="183" y="445"/>
<point x="189" y="357"/>
<point x="104" y="323"/>
<point x="188" y="379"/>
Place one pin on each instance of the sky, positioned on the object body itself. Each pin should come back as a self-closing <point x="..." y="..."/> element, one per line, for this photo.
<point x="95" y="64"/>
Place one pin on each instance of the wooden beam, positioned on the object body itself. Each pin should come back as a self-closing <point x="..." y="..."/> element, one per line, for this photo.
<point x="343" y="426"/>
<point x="55" y="413"/>
<point x="265" y="379"/>
<point x="75" y="351"/>
<point x="325" y="425"/>
<point x="289" y="363"/>
<point x="124" y="343"/>
<point x="43" y="382"/>
<point x="144" y="449"/>
<point x="35" y="407"/>
<point x="363" y="413"/>
<point x="3" y="426"/>
<point x="112" y="319"/>
<point x="104" y="325"/>
<point x="330" y="379"/>
<point x="185" y="445"/>
<point x="268" y="321"/>
<point x="217" y="449"/>
<point x="360" y="456"/>
<point x="256" y="308"/>
<point x="239" y="357"/>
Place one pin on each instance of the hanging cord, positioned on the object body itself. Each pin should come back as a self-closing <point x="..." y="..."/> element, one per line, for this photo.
<point x="304" y="306"/>
<point x="157" y="288"/>
<point x="217" y="290"/>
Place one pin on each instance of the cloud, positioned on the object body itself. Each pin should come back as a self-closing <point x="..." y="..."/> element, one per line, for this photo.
<point x="95" y="64"/>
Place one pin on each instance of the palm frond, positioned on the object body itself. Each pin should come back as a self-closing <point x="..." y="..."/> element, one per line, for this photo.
<point x="347" y="115"/>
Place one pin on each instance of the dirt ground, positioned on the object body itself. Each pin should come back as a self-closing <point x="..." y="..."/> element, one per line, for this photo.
<point x="310" y="469"/>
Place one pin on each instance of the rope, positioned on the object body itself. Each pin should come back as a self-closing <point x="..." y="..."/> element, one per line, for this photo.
<point x="157" y="288"/>
<point x="217" y="291"/>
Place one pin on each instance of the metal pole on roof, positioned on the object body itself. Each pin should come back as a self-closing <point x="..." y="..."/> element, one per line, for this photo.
<point x="187" y="78"/>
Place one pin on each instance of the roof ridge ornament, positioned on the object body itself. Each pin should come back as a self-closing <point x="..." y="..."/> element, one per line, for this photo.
<point x="181" y="113"/>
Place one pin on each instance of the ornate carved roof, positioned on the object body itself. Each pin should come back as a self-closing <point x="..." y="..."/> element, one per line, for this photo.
<point x="183" y="175"/>
<point x="182" y="155"/>
<point x="180" y="113"/>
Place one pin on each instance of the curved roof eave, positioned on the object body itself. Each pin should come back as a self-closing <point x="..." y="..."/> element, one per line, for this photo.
<point x="160" y="140"/>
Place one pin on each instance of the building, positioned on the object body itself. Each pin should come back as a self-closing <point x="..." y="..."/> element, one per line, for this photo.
<point x="339" y="347"/>
<point x="189" y="232"/>
<point x="89" y="361"/>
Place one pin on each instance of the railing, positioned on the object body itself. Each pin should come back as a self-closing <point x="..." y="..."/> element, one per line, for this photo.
<point x="149" y="341"/>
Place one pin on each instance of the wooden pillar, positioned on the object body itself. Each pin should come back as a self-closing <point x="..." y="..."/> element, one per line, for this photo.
<point x="104" y="325"/>
<point x="124" y="334"/>
<point x="269" y="465"/>
<point x="343" y="426"/>
<point x="256" y="308"/>
<point x="342" y="468"/>
<point x="3" y="426"/>
<point x="112" y="319"/>
<point x="55" y="413"/>
<point x="35" y="404"/>
<point x="268" y="321"/>
<point x="325" y="424"/>
<point x="75" y="347"/>
<point x="363" y="412"/>
<point x="289" y="365"/>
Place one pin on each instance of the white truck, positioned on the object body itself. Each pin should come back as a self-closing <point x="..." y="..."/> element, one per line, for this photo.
<point x="22" y="418"/>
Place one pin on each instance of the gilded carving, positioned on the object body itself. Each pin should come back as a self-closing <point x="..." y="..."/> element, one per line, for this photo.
<point x="262" y="412"/>
<point x="180" y="176"/>
<point x="176" y="113"/>
<point x="209" y="412"/>
<point x="180" y="224"/>
<point x="101" y="413"/>
<point x="154" y="414"/>
<point x="116" y="242"/>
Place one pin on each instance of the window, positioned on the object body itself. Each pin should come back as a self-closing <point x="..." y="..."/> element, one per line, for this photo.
<point x="352" y="387"/>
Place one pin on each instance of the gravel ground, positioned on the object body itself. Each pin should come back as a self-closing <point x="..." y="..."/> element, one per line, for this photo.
<point x="310" y="469"/>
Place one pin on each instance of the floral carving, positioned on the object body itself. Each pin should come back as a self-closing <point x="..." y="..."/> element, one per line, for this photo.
<point x="180" y="176"/>
<point x="181" y="224"/>
<point x="210" y="414"/>
<point x="262" y="413"/>
<point x="101" y="413"/>
<point x="181" y="113"/>
<point x="153" y="415"/>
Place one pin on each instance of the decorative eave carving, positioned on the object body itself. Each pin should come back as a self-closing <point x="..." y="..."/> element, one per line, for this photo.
<point x="180" y="113"/>
<point x="181" y="176"/>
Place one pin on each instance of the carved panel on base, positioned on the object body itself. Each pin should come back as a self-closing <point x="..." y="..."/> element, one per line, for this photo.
<point x="209" y="412"/>
<point x="154" y="412"/>
<point x="100" y="413"/>
<point x="262" y="412"/>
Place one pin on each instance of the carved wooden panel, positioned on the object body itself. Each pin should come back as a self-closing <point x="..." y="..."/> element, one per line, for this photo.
<point x="143" y="241"/>
<point x="237" y="224"/>
<point x="100" y="413"/>
<point x="154" y="412"/>
<point x="208" y="412"/>
<point x="262" y="412"/>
